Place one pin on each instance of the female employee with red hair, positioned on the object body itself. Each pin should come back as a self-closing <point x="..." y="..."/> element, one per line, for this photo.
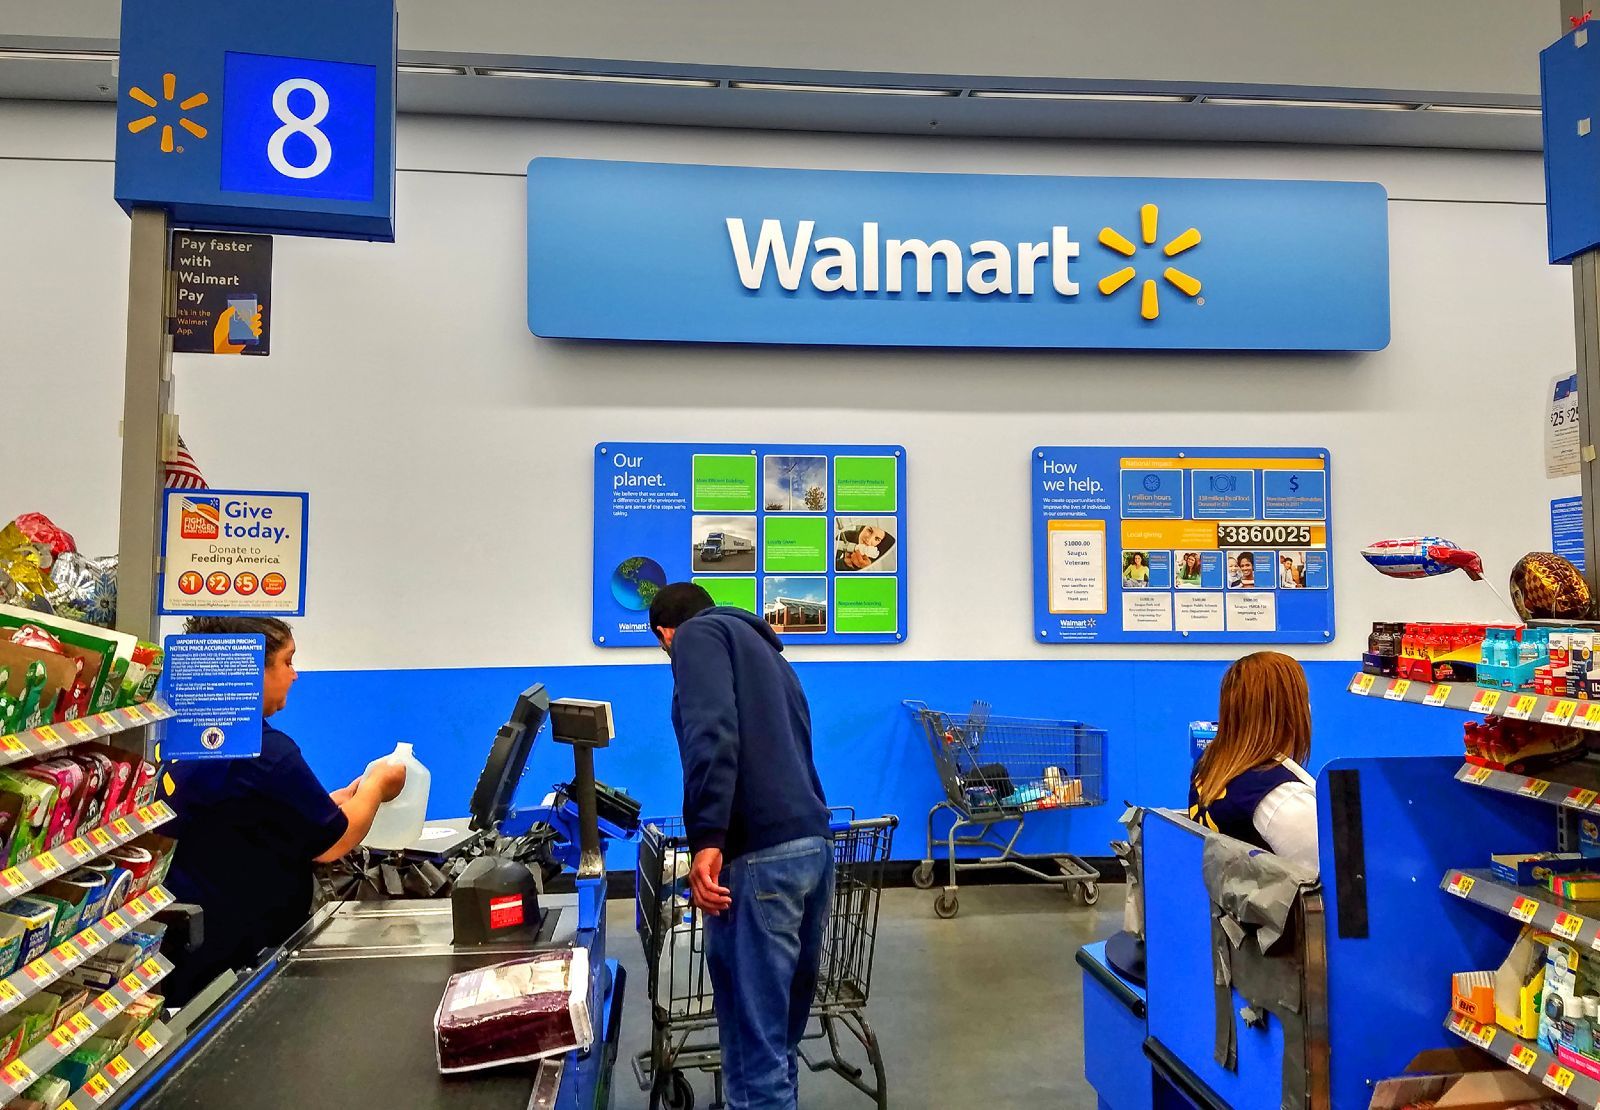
<point x="1250" y="784"/>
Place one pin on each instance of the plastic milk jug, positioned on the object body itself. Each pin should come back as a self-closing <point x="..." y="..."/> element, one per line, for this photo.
<point x="398" y="823"/>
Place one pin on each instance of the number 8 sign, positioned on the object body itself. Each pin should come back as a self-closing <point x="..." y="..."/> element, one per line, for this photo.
<point x="298" y="127"/>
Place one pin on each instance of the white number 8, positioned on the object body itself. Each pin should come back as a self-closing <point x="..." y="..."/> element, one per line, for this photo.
<point x="300" y="125"/>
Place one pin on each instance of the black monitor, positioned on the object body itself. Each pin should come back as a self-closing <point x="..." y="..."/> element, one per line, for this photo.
<point x="491" y="800"/>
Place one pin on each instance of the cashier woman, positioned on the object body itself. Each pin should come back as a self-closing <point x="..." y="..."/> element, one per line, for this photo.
<point x="1249" y="783"/>
<point x="249" y="830"/>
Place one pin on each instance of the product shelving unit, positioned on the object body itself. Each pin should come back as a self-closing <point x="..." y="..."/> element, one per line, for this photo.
<point x="27" y="981"/>
<point x="17" y="881"/>
<point x="122" y="1067"/>
<point x="1572" y="788"/>
<point x="51" y="740"/>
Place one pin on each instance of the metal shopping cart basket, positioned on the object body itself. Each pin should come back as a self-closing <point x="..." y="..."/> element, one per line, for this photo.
<point x="997" y="772"/>
<point x="683" y="1022"/>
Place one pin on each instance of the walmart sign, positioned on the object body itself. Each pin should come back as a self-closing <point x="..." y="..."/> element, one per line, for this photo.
<point x="730" y="254"/>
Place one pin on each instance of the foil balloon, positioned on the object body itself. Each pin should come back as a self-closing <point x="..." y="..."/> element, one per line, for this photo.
<point x="1547" y="586"/>
<point x="1422" y="557"/>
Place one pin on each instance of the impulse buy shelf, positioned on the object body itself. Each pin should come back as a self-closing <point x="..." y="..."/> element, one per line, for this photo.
<point x="1472" y="698"/>
<point x="22" y="1072"/>
<point x="18" y="880"/>
<point x="47" y="740"/>
<point x="104" y="1083"/>
<point x="1578" y="922"/>
<point x="1528" y="1058"/>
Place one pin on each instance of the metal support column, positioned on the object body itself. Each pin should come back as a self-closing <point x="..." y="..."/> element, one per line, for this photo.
<point x="147" y="423"/>
<point x="1586" y="333"/>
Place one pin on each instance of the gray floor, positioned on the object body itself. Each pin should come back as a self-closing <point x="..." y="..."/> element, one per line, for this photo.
<point x="982" y="1010"/>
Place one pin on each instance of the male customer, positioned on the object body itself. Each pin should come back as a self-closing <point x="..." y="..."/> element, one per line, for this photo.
<point x="758" y="827"/>
<point x="249" y="830"/>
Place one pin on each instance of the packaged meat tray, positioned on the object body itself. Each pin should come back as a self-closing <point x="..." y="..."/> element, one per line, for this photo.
<point x="515" y="1011"/>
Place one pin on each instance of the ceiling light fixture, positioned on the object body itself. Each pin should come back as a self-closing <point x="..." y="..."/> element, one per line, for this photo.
<point x="1485" y="109"/>
<point x="8" y="55"/>
<point x="879" y="90"/>
<point x="605" y="78"/>
<point x="1114" y="98"/>
<point x="1287" y="102"/>
<point x="429" y="67"/>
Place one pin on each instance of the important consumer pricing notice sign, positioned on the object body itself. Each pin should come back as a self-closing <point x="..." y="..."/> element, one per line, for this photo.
<point x="1174" y="545"/>
<point x="234" y="552"/>
<point x="224" y="290"/>
<point x="214" y="685"/>
<point x="811" y="538"/>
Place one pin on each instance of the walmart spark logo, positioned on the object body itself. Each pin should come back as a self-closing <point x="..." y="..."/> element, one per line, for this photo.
<point x="169" y="88"/>
<point x="1149" y="301"/>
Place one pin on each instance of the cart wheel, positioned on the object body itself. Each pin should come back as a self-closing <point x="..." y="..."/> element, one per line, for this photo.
<point x="922" y="877"/>
<point x="947" y="905"/>
<point x="1090" y="893"/>
<point x="672" y="1092"/>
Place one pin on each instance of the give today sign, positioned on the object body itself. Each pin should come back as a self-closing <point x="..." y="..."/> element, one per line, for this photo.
<point x="735" y="254"/>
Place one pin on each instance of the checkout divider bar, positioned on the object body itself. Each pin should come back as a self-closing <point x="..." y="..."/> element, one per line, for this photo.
<point x="52" y="739"/>
<point x="33" y="873"/>
<point x="22" y="1072"/>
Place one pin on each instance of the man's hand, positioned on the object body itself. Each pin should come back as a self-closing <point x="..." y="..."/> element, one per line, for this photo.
<point x="344" y="794"/>
<point x="390" y="779"/>
<point x="705" y="881"/>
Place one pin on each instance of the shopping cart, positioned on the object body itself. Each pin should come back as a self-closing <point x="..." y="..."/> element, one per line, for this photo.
<point x="997" y="771"/>
<point x="683" y="1022"/>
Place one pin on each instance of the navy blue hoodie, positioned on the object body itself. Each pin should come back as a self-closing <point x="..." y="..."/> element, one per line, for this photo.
<point x="744" y="734"/>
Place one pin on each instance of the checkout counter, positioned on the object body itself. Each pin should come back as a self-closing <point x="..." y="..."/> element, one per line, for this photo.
<point x="1377" y="942"/>
<point x="343" y="1014"/>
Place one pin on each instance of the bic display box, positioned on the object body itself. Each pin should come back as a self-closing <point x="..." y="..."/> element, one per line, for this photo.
<point x="1530" y="869"/>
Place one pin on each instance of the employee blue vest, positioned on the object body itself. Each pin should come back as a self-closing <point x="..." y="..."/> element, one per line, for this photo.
<point x="1234" y="813"/>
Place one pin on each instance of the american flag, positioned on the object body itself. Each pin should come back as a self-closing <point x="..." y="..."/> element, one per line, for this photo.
<point x="183" y="472"/>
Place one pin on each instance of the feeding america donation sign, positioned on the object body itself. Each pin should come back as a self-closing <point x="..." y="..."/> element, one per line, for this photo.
<point x="738" y="254"/>
<point x="234" y="552"/>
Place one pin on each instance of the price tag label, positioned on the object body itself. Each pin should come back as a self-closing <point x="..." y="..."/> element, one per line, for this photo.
<point x="78" y="849"/>
<point x="1485" y="1036"/>
<point x="118" y="1069"/>
<point x="91" y="940"/>
<point x="13" y="746"/>
<point x="1533" y="788"/>
<point x="46" y="863"/>
<point x="107" y="719"/>
<point x="1560" y="713"/>
<point x="1397" y="689"/>
<point x="68" y="1105"/>
<point x="115" y="922"/>
<point x="107" y="1003"/>
<point x="147" y="1042"/>
<point x="1461" y="885"/>
<point x="163" y="811"/>
<point x="66" y="952"/>
<point x="146" y="814"/>
<point x="49" y="737"/>
<point x="1580" y="799"/>
<point x="160" y="897"/>
<point x="1524" y="908"/>
<point x="1362" y="683"/>
<point x="138" y="907"/>
<point x="80" y="1022"/>
<point x="121" y="827"/>
<point x="150" y="967"/>
<point x="1438" y="695"/>
<point x="39" y="970"/>
<point x="1477" y="776"/>
<point x="1591" y="716"/>
<point x="1522" y="1058"/>
<point x="1558" y="1078"/>
<point x="131" y="714"/>
<point x="130" y="984"/>
<point x="13" y="881"/>
<point x="9" y="994"/>
<point x="19" y="1076"/>
<point x="98" y="1088"/>
<point x="1568" y="925"/>
<point x="101" y="839"/>
<point x="1522" y="708"/>
<point x="60" y="1038"/>
<point x="81" y="728"/>
<point x="1486" y="701"/>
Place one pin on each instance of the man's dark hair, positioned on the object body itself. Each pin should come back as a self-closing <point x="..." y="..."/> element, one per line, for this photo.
<point x="676" y="603"/>
<point x="278" y="633"/>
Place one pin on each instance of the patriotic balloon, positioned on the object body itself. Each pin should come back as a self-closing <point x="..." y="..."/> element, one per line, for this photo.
<point x="1422" y="557"/>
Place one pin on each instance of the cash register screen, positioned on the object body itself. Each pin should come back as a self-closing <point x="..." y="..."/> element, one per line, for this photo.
<point x="491" y="801"/>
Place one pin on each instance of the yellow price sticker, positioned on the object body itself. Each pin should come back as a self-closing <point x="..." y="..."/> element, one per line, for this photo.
<point x="1560" y="713"/>
<point x="1363" y="684"/>
<point x="107" y="1003"/>
<point x="129" y="983"/>
<point x="13" y="745"/>
<point x="1568" y="925"/>
<point x="68" y="1105"/>
<point x="107" y="719"/>
<point x="13" y="880"/>
<point x="9" y="994"/>
<point x="119" y="1068"/>
<point x="49" y="736"/>
<point x="1438" y="695"/>
<point x="46" y="861"/>
<point x="1524" y="909"/>
<point x="1486" y="701"/>
<point x="60" y="1038"/>
<point x="100" y="839"/>
<point x="1522" y="1058"/>
<point x="152" y="966"/>
<point x="1580" y="799"/>
<point x="1533" y="788"/>
<point x="99" y="1088"/>
<point x="1461" y="885"/>
<point x="137" y="907"/>
<point x="163" y="811"/>
<point x="1397" y="689"/>
<point x="115" y="922"/>
<point x="1522" y="708"/>
<point x="160" y="897"/>
<point x="19" y="1076"/>
<point x="146" y="814"/>
<point x="79" y="849"/>
<point x="132" y="714"/>
<point x="1591" y="715"/>
<point x="121" y="827"/>
<point x="81" y="727"/>
<point x="147" y="1042"/>
<point x="1478" y="776"/>
<point x="81" y="1022"/>
<point x="1558" y="1078"/>
<point x="66" y="952"/>
<point x="38" y="969"/>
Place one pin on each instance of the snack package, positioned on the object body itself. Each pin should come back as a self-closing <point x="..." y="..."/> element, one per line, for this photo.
<point x="123" y="770"/>
<point x="144" y="674"/>
<point x="73" y="1000"/>
<point x="515" y="1011"/>
<point x="37" y="921"/>
<point x="67" y="777"/>
<point x="12" y="932"/>
<point x="99" y="773"/>
<point x="85" y="1060"/>
<point x="106" y="652"/>
<point x="49" y="1091"/>
<point x="161" y="849"/>
<point x="138" y="862"/>
<point x="139" y="1016"/>
<point x="143" y="792"/>
<point x="38" y="1017"/>
<point x="36" y="799"/>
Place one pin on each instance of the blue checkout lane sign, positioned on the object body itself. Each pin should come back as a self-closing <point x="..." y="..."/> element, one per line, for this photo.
<point x="260" y="119"/>
<point x="214" y="685"/>
<point x="1566" y="530"/>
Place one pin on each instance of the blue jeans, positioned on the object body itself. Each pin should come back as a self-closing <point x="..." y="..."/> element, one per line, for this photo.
<point x="763" y="953"/>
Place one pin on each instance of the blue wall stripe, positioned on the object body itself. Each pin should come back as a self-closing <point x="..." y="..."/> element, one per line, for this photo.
<point x="869" y="753"/>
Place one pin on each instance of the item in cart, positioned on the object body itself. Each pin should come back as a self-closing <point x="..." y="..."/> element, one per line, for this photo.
<point x="1421" y="557"/>
<point x="1546" y="586"/>
<point x="36" y="801"/>
<point x="67" y="777"/>
<point x="514" y="1012"/>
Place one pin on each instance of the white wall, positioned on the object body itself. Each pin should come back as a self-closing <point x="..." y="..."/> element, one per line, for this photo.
<point x="448" y="451"/>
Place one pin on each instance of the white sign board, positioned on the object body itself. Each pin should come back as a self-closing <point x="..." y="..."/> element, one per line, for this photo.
<point x="234" y="552"/>
<point x="1561" y="428"/>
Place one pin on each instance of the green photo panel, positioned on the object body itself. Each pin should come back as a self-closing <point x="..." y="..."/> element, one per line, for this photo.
<point x="795" y="544"/>
<point x="737" y="592"/>
<point x="865" y="484"/>
<point x="866" y="605"/>
<point x="724" y="483"/>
